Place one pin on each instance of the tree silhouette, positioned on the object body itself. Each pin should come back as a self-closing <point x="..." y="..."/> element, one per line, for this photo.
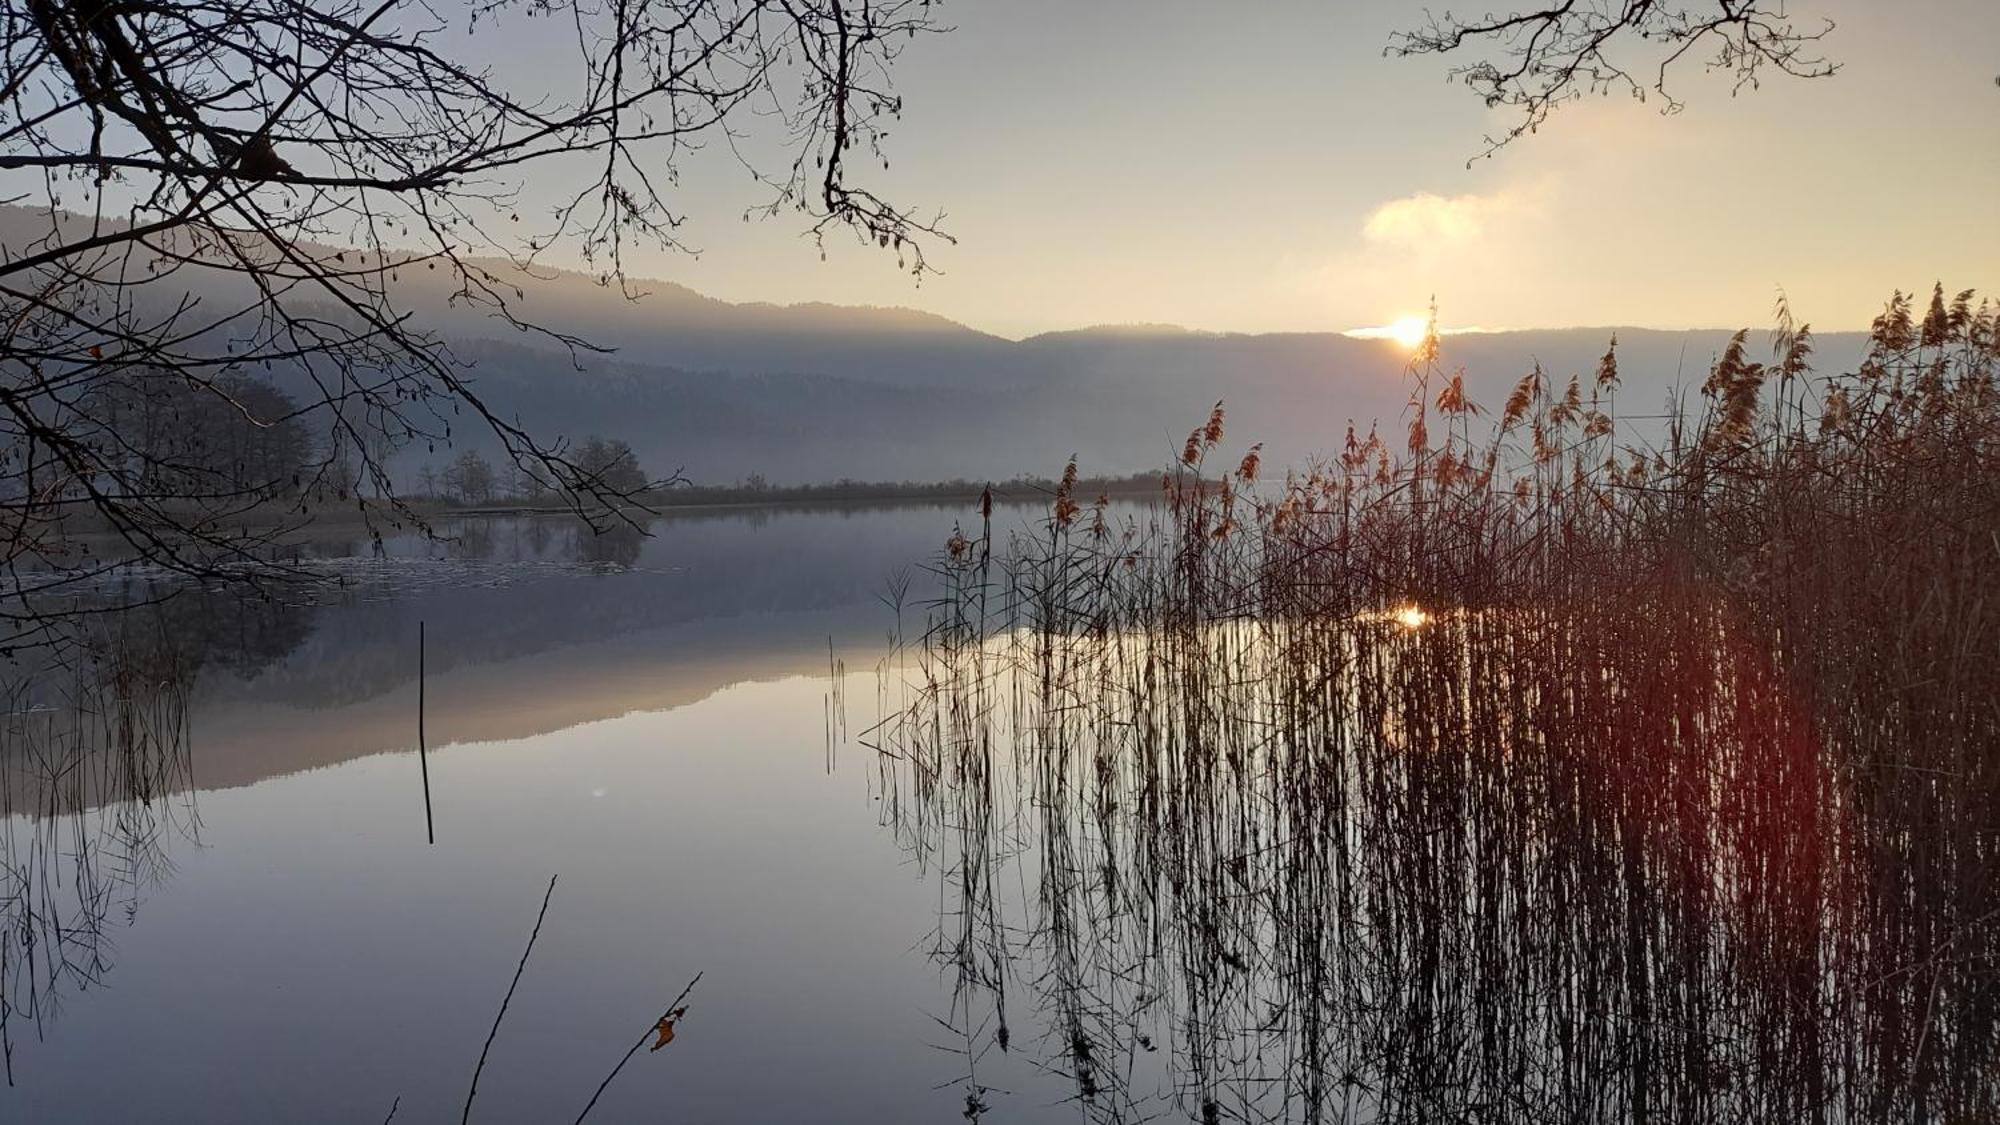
<point x="1557" y="54"/>
<point x="469" y="477"/>
<point x="197" y="191"/>
<point x="612" y="462"/>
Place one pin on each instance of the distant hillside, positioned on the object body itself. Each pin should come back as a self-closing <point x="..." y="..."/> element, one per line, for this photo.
<point x="819" y="391"/>
<point x="1122" y="401"/>
<point x="674" y="326"/>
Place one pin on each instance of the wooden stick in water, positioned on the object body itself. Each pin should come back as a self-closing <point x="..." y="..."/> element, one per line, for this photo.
<point x="423" y="753"/>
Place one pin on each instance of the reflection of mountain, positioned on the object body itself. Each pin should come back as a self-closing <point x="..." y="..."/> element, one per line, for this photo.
<point x="252" y="738"/>
<point x="534" y="625"/>
<point x="518" y="646"/>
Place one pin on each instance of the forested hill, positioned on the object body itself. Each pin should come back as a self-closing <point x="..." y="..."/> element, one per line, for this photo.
<point x="818" y="392"/>
<point x="864" y="401"/>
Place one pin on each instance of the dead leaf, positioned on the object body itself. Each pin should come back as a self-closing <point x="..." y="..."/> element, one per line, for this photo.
<point x="666" y="1029"/>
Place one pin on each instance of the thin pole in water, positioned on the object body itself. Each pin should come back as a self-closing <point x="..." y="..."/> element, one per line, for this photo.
<point x="423" y="753"/>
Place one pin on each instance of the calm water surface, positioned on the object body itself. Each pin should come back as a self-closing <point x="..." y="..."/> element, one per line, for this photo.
<point x="1492" y="867"/>
<point x="647" y="719"/>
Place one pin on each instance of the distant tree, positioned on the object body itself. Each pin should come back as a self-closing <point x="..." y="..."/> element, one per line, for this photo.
<point x="427" y="482"/>
<point x="469" y="478"/>
<point x="1563" y="51"/>
<point x="527" y="486"/>
<point x="155" y="436"/>
<point x="334" y="476"/>
<point x="378" y="444"/>
<point x="269" y="449"/>
<point x="611" y="462"/>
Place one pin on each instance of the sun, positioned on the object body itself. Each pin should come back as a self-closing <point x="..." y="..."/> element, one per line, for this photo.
<point x="1408" y="331"/>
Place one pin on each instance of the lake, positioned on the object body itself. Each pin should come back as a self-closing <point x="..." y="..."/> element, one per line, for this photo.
<point x="645" y="718"/>
<point x="938" y="845"/>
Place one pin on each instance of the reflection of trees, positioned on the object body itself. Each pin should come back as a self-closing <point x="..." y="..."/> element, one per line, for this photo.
<point x="536" y="534"/>
<point x="94" y="790"/>
<point x="175" y="633"/>
<point x="474" y="542"/>
<point x="617" y="546"/>
<point x="1514" y="866"/>
<point x="96" y="780"/>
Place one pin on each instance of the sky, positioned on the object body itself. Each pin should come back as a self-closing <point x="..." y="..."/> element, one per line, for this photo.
<point x="1262" y="167"/>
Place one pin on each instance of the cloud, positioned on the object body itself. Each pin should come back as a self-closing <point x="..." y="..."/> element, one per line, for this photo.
<point x="1427" y="220"/>
<point x="1488" y="257"/>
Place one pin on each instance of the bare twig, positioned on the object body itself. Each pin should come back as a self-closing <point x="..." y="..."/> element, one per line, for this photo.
<point x="640" y="1042"/>
<point x="473" y="1089"/>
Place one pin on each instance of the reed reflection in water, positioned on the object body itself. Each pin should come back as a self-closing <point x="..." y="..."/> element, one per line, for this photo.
<point x="96" y="788"/>
<point x="1523" y="865"/>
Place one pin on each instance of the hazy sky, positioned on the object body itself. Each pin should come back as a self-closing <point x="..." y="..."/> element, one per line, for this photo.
<point x="1261" y="166"/>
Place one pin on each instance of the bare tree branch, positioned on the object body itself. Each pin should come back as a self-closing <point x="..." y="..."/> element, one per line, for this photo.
<point x="226" y="220"/>
<point x="1542" y="58"/>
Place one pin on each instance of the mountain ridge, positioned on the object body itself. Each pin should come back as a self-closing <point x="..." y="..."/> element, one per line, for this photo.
<point x="819" y="390"/>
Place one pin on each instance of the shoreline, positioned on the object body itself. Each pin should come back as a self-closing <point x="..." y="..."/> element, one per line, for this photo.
<point x="1013" y="494"/>
<point x="285" y="521"/>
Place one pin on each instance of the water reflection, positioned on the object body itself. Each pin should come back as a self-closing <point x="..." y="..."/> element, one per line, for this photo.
<point x="536" y="623"/>
<point x="1508" y="867"/>
<point x="96" y="790"/>
<point x="1251" y="872"/>
<point x="536" y="626"/>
